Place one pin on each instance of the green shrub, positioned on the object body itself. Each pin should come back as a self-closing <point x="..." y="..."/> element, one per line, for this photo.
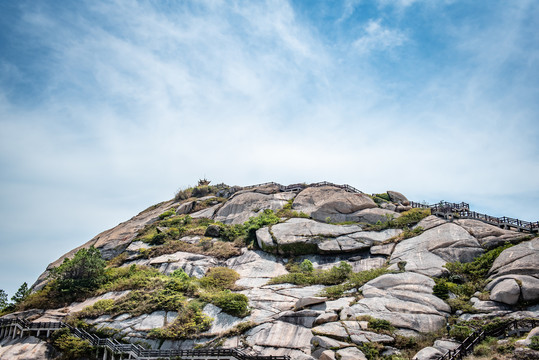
<point x="371" y="350"/>
<point x="220" y="278"/>
<point x="306" y="266"/>
<point x="460" y="332"/>
<point x="167" y="214"/>
<point x="81" y="274"/>
<point x="380" y="324"/>
<point x="440" y="289"/>
<point x="534" y="345"/>
<point x="71" y="346"/>
<point x="479" y="267"/>
<point x="355" y="281"/>
<point x="190" y="322"/>
<point x="482" y="350"/>
<point x="411" y="217"/>
<point x="336" y="275"/>
<point x="383" y="196"/>
<point x="232" y="303"/>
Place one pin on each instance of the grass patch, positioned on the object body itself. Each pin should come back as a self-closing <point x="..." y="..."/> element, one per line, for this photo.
<point x="354" y="281"/>
<point x="466" y="279"/>
<point x="300" y="276"/>
<point x="406" y="220"/>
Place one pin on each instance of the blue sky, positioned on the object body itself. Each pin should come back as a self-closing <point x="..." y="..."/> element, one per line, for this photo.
<point x="107" y="107"/>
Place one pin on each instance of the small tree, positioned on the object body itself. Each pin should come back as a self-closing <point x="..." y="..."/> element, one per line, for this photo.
<point x="21" y="294"/>
<point x="83" y="273"/>
<point x="3" y="300"/>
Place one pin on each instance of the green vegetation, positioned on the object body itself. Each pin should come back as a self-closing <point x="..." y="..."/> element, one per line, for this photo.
<point x="196" y="192"/>
<point x="404" y="221"/>
<point x="71" y="346"/>
<point x="534" y="345"/>
<point x="383" y="196"/>
<point x="340" y="276"/>
<point x="81" y="274"/>
<point x="287" y="212"/>
<point x="354" y="281"/>
<point x="190" y="322"/>
<point x="478" y="268"/>
<point x="303" y="275"/>
<point x="380" y="324"/>
<point x="460" y="332"/>
<point x="152" y="291"/>
<point x="466" y="279"/>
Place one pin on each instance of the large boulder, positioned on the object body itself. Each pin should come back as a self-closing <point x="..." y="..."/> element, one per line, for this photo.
<point x="256" y="268"/>
<point x="28" y="348"/>
<point x="521" y="259"/>
<point x="428" y="252"/>
<point x="373" y="215"/>
<point x="397" y="197"/>
<point x="304" y="236"/>
<point x="506" y="291"/>
<point x="528" y="287"/>
<point x="404" y="299"/>
<point x="280" y="334"/>
<point x="489" y="236"/>
<point x="243" y="206"/>
<point x="331" y="202"/>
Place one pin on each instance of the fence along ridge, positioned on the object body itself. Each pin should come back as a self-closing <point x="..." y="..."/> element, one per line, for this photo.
<point x="17" y="326"/>
<point x="462" y="210"/>
<point x="442" y="209"/>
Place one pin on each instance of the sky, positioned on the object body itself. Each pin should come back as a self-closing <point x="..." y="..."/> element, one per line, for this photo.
<point x="108" y="107"/>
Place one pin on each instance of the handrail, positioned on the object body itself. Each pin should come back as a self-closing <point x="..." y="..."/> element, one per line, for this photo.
<point x="477" y="336"/>
<point x="301" y="186"/>
<point x="462" y="210"/>
<point x="133" y="350"/>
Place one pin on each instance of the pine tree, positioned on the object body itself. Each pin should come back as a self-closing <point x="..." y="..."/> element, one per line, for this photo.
<point x="21" y="294"/>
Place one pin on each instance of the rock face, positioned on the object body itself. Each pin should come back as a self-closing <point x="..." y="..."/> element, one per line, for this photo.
<point x="397" y="197"/>
<point x="27" y="348"/>
<point x="305" y="236"/>
<point x="515" y="274"/>
<point x="301" y="321"/>
<point x="243" y="206"/>
<point x="404" y="299"/>
<point x="427" y="253"/>
<point x="521" y="259"/>
<point x="328" y="201"/>
<point x="489" y="236"/>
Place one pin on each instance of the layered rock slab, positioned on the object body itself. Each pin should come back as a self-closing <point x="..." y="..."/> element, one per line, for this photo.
<point x="403" y="299"/>
<point x="514" y="274"/>
<point x="429" y="252"/>
<point x="489" y="236"/>
<point x="305" y="236"/>
<point x="249" y="204"/>
<point x="328" y="201"/>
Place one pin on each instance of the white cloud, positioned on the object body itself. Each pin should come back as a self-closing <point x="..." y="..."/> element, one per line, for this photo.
<point x="376" y="37"/>
<point x="141" y="102"/>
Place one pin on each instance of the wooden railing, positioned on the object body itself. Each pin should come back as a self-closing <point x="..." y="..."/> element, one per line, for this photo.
<point x="462" y="211"/>
<point x="515" y="326"/>
<point x="302" y="186"/>
<point x="442" y="209"/>
<point x="18" y="327"/>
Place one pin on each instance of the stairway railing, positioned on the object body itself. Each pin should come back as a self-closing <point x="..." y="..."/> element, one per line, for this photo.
<point x="133" y="350"/>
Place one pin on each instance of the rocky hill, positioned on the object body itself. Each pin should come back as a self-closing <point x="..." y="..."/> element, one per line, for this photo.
<point x="310" y="271"/>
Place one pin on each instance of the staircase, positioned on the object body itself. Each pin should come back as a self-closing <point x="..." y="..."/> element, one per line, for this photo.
<point x="105" y="347"/>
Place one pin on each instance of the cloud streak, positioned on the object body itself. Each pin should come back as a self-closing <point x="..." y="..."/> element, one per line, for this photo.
<point x="120" y="104"/>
